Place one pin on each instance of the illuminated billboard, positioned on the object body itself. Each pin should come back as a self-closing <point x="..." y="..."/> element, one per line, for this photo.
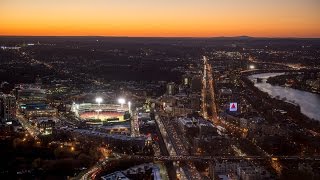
<point x="233" y="107"/>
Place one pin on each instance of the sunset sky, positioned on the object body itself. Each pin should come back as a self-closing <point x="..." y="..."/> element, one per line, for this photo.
<point x="165" y="18"/>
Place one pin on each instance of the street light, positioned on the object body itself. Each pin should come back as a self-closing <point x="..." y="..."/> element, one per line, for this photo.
<point x="251" y="66"/>
<point x="121" y="101"/>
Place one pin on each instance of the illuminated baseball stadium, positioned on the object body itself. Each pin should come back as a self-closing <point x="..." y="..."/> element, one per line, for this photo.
<point x="103" y="112"/>
<point x="102" y="115"/>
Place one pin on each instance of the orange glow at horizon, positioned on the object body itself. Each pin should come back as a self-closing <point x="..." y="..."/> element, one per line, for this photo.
<point x="164" y="18"/>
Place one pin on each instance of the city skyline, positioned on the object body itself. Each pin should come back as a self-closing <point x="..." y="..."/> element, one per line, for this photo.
<point x="294" y="18"/>
<point x="160" y="89"/>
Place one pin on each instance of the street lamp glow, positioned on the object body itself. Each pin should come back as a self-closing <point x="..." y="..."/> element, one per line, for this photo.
<point x="251" y="66"/>
<point x="99" y="100"/>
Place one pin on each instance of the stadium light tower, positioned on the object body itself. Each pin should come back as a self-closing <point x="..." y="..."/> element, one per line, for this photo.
<point x="99" y="100"/>
<point x="129" y="104"/>
<point x="121" y="101"/>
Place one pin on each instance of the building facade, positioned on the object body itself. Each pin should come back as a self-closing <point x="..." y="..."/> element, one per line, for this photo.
<point x="7" y="107"/>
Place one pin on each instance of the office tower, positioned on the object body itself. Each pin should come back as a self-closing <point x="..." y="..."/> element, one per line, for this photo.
<point x="7" y="107"/>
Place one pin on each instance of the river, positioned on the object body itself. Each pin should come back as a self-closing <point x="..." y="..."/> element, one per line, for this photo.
<point x="309" y="102"/>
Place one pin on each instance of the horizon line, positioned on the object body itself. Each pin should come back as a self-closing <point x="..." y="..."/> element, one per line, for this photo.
<point x="190" y="37"/>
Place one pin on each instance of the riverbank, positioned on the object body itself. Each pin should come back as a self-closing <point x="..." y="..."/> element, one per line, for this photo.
<point x="309" y="102"/>
<point x="296" y="81"/>
<point x="269" y="105"/>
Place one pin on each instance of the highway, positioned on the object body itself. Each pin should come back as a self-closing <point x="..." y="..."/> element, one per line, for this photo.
<point x="176" y="146"/>
<point x="213" y="158"/>
<point x="169" y="147"/>
<point x="97" y="168"/>
<point x="187" y="170"/>
<point x="293" y="66"/>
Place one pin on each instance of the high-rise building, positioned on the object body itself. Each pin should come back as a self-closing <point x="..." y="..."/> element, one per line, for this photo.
<point x="171" y="88"/>
<point x="186" y="80"/>
<point x="7" y="107"/>
<point x="196" y="83"/>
